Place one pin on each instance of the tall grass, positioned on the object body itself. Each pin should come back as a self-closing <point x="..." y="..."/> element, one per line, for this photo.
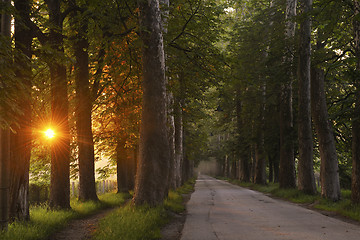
<point x="142" y="222"/>
<point x="44" y="222"/>
<point x="130" y="223"/>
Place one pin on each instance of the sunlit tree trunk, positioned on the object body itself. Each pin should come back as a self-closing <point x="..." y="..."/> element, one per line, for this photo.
<point x="60" y="147"/>
<point x="153" y="166"/>
<point x="355" y="185"/>
<point x="4" y="144"/>
<point x="83" y="112"/>
<point x="122" y="165"/>
<point x="287" y="160"/>
<point x="306" y="180"/>
<point x="131" y="167"/>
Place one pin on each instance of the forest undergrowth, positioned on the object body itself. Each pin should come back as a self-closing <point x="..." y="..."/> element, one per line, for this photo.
<point x="44" y="222"/>
<point x="142" y="222"/>
<point x="128" y="222"/>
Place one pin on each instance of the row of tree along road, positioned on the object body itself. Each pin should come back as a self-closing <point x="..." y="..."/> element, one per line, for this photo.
<point x="86" y="80"/>
<point x="294" y="85"/>
<point x="156" y="86"/>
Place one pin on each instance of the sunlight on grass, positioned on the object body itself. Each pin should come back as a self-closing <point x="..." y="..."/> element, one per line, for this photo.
<point x="174" y="202"/>
<point x="44" y="221"/>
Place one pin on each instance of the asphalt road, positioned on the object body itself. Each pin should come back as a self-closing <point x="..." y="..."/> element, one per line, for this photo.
<point x="219" y="210"/>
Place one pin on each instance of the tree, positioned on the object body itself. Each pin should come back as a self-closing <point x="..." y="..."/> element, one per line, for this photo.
<point x="83" y="109"/>
<point x="153" y="166"/>
<point x="4" y="131"/>
<point x="287" y="160"/>
<point x="244" y="170"/>
<point x="329" y="171"/>
<point x="22" y="138"/>
<point x="60" y="147"/>
<point x="306" y="180"/>
<point x="355" y="185"/>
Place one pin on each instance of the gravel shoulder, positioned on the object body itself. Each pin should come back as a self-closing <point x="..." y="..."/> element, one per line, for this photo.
<point x="173" y="230"/>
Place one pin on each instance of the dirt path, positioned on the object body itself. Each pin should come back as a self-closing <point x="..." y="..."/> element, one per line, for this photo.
<point x="80" y="229"/>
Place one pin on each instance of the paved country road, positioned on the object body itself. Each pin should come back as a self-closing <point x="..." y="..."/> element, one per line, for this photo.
<point x="219" y="210"/>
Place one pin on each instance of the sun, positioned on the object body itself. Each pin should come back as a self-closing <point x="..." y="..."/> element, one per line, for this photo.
<point x="49" y="133"/>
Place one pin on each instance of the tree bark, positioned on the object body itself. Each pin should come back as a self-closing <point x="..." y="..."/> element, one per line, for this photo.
<point x="355" y="182"/>
<point x="306" y="180"/>
<point x="5" y="144"/>
<point x="287" y="177"/>
<point x="171" y="135"/>
<point x="4" y="177"/>
<point x="153" y="167"/>
<point x="260" y="163"/>
<point x="122" y="166"/>
<point x="21" y="140"/>
<point x="329" y="171"/>
<point x="60" y="147"/>
<point x="244" y="170"/>
<point x="178" y="142"/>
<point x="83" y="113"/>
<point x="131" y="167"/>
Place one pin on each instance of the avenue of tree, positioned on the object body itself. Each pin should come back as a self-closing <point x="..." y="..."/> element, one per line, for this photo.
<point x="269" y="88"/>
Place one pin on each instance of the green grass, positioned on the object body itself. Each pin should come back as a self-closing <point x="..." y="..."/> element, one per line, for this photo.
<point x="130" y="223"/>
<point x="44" y="221"/>
<point x="343" y="207"/>
<point x="142" y="222"/>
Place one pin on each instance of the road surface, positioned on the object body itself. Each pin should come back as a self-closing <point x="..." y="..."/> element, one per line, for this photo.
<point x="219" y="210"/>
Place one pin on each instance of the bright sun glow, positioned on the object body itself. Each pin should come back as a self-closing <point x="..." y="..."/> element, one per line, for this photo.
<point x="49" y="133"/>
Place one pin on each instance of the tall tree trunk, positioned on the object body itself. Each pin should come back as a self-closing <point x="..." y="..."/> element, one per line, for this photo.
<point x="287" y="177"/>
<point x="178" y="141"/>
<point x="260" y="164"/>
<point x="171" y="135"/>
<point x="329" y="171"/>
<point x="21" y="140"/>
<point x="244" y="169"/>
<point x="122" y="170"/>
<point x="60" y="147"/>
<point x="306" y="180"/>
<point x="355" y="182"/>
<point x="4" y="177"/>
<point x="153" y="167"/>
<point x="4" y="144"/>
<point x="83" y="113"/>
<point x="131" y="167"/>
<point x="271" y="169"/>
<point x="233" y="169"/>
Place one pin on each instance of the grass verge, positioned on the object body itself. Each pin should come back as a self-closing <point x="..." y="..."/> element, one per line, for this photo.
<point x="343" y="207"/>
<point x="142" y="222"/>
<point x="43" y="221"/>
